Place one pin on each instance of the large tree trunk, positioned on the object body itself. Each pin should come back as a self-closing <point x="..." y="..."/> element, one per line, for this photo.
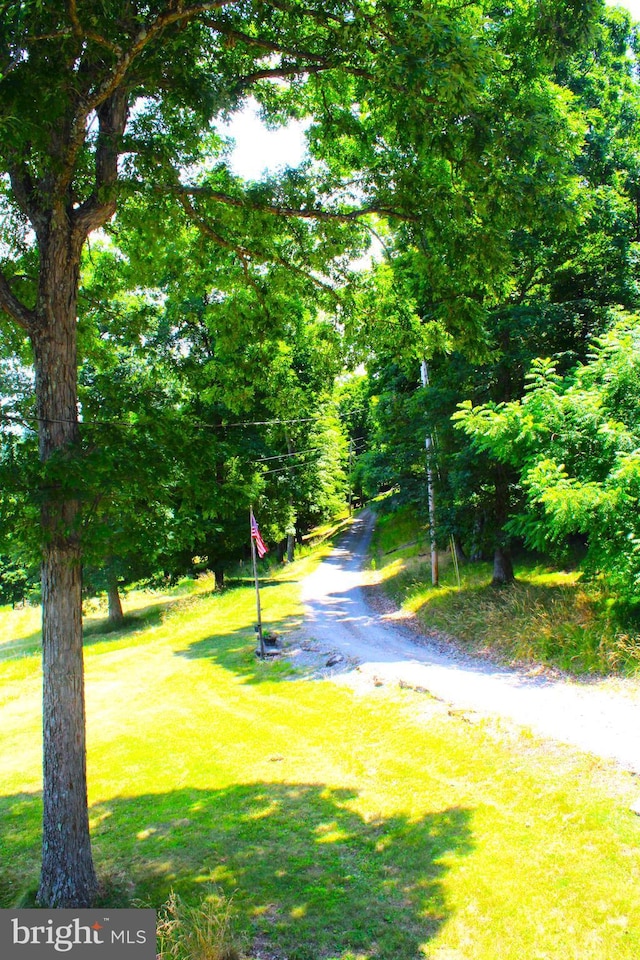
<point x="68" y="878"/>
<point x="502" y="562"/>
<point x="291" y="547"/>
<point x="115" y="614"/>
<point x="461" y="556"/>
<point x="502" y="567"/>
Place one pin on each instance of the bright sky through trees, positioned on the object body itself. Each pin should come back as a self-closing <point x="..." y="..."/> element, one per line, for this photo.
<point x="632" y="5"/>
<point x="258" y="149"/>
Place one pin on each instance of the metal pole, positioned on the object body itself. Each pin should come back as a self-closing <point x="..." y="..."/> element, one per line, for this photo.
<point x="254" y="558"/>
<point x="435" y="573"/>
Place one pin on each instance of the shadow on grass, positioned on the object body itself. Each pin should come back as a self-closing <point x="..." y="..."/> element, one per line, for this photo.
<point x="96" y="629"/>
<point x="20" y="836"/>
<point x="556" y="624"/>
<point x="307" y="873"/>
<point x="21" y="647"/>
<point x="237" y="652"/>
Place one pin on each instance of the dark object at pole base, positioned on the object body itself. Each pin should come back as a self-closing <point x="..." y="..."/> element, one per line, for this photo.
<point x="269" y="646"/>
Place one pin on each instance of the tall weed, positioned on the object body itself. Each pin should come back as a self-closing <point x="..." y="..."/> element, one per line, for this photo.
<point x="201" y="932"/>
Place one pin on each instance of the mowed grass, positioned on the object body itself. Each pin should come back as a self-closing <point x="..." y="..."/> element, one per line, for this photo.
<point x="547" y="616"/>
<point x="344" y="822"/>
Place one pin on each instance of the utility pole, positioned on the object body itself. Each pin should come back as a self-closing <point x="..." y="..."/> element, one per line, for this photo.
<point x="350" y="477"/>
<point x="435" y="575"/>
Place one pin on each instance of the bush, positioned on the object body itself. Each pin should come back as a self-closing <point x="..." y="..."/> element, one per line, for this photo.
<point x="576" y="444"/>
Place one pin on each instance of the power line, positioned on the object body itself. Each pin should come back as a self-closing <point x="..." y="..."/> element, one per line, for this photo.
<point x="284" y="456"/>
<point x="13" y="419"/>
<point x="290" y="466"/>
<point x="25" y="419"/>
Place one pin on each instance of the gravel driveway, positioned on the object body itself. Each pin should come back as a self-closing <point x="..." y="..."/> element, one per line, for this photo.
<point x="600" y="717"/>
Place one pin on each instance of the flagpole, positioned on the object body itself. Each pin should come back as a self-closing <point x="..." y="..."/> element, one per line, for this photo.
<point x="255" y="577"/>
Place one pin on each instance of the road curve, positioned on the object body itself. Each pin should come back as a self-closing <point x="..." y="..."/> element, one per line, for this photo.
<point x="587" y="715"/>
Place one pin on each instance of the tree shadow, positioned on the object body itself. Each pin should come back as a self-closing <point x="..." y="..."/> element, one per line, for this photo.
<point x="98" y="629"/>
<point x="237" y="652"/>
<point x="308" y="873"/>
<point x="20" y="837"/>
<point x="19" y="647"/>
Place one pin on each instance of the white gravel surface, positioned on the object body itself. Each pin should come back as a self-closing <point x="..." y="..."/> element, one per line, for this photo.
<point x="599" y="717"/>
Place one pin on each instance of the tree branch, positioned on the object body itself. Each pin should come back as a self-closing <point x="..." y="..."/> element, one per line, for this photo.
<point x="304" y="213"/>
<point x="84" y="35"/>
<point x="73" y="16"/>
<point x="101" y="205"/>
<point x="144" y="36"/>
<point x="234" y="34"/>
<point x="246" y="255"/>
<point x="319" y="17"/>
<point x="278" y="73"/>
<point x="24" y="194"/>
<point x="14" y="307"/>
<point x="318" y="62"/>
<point x="111" y="83"/>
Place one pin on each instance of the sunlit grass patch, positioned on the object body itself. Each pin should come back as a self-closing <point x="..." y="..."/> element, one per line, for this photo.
<point x="547" y="616"/>
<point x="339" y="824"/>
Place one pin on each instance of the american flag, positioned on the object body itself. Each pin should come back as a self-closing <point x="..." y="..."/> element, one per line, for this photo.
<point x="261" y="546"/>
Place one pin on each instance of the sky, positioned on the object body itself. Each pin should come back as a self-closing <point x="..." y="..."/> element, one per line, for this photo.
<point x="258" y="150"/>
<point x="632" y="5"/>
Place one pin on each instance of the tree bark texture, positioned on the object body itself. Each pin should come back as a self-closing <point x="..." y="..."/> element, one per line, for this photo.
<point x="115" y="614"/>
<point x="68" y="877"/>
<point x="502" y="562"/>
<point x="502" y="567"/>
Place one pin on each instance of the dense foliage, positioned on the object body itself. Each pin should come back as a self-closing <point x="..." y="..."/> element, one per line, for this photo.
<point x="575" y="442"/>
<point x="569" y="256"/>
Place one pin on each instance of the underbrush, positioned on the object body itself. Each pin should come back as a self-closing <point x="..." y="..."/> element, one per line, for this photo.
<point x="547" y="616"/>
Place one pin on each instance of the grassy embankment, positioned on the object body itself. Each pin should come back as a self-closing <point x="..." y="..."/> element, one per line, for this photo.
<point x="546" y="617"/>
<point x="343" y="824"/>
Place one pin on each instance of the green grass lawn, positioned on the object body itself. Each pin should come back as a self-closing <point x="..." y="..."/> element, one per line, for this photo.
<point x="343" y="824"/>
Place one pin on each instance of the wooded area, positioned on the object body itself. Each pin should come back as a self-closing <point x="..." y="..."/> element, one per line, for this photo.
<point x="178" y="343"/>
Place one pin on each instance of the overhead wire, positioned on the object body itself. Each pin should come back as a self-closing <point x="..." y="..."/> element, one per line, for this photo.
<point x="23" y="420"/>
<point x="283" y="456"/>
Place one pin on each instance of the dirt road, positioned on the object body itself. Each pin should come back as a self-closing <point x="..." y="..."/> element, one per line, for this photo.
<point x="602" y="718"/>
